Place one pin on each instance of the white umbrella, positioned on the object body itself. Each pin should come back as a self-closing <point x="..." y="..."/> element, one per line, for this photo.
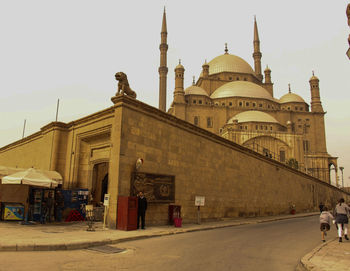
<point x="30" y="177"/>
<point x="53" y="175"/>
<point x="4" y="171"/>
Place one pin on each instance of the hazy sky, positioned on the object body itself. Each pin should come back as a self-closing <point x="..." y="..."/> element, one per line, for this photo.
<point x="70" y="50"/>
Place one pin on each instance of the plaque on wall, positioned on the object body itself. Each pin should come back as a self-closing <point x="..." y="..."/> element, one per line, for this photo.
<point x="156" y="187"/>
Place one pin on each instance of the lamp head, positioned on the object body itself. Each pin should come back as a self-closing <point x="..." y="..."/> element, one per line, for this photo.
<point x="139" y="163"/>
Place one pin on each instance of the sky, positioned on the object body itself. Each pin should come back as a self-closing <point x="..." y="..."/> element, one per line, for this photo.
<point x="70" y="50"/>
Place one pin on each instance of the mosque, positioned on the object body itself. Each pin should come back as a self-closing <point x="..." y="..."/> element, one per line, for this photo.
<point x="225" y="140"/>
<point x="237" y="102"/>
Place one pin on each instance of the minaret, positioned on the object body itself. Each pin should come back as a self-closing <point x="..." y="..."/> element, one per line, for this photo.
<point x="267" y="72"/>
<point x="268" y="83"/>
<point x="163" y="69"/>
<point x="179" y="93"/>
<point x="316" y="105"/>
<point x="205" y="71"/>
<point x="257" y="54"/>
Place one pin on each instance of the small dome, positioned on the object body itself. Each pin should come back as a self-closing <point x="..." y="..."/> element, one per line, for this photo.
<point x="229" y="63"/>
<point x="194" y="90"/>
<point x="179" y="66"/>
<point x="241" y="89"/>
<point x="205" y="63"/>
<point x="314" y="78"/>
<point x="253" y="116"/>
<point x="291" y="98"/>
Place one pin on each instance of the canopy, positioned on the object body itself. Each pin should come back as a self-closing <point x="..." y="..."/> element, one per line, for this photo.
<point x="31" y="177"/>
<point x="53" y="175"/>
<point x="4" y="171"/>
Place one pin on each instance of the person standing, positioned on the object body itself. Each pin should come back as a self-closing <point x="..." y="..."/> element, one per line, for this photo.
<point x="341" y="212"/>
<point x="325" y="222"/>
<point x="44" y="211"/>
<point x="141" y="210"/>
<point x="49" y="204"/>
<point x="59" y="204"/>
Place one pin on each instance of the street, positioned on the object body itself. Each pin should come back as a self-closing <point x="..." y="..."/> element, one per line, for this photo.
<point x="265" y="246"/>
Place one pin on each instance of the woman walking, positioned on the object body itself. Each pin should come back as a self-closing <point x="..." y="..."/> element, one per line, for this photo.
<point x="341" y="219"/>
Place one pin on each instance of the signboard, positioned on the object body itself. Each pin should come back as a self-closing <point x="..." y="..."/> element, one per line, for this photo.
<point x="155" y="187"/>
<point x="106" y="200"/>
<point x="199" y="201"/>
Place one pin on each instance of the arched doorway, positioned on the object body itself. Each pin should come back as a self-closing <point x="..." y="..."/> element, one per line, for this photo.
<point x="99" y="182"/>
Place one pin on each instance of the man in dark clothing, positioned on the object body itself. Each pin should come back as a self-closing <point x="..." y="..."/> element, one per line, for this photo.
<point x="49" y="205"/>
<point x="141" y="210"/>
<point x="59" y="204"/>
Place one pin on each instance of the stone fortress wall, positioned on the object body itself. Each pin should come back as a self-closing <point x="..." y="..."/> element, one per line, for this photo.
<point x="234" y="180"/>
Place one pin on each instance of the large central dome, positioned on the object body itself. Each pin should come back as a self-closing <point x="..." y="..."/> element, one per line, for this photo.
<point x="241" y="89"/>
<point x="253" y="116"/>
<point x="229" y="63"/>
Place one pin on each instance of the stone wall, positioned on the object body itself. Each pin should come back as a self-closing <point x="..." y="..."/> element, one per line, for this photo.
<point x="234" y="180"/>
<point x="31" y="151"/>
<point x="71" y="149"/>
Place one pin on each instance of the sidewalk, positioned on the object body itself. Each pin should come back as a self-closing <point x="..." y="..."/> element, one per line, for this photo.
<point x="329" y="256"/>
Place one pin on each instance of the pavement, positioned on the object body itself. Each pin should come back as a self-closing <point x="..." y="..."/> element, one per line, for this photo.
<point x="329" y="256"/>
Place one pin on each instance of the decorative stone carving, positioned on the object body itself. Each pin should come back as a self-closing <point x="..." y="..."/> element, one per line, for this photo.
<point x="123" y="85"/>
<point x="157" y="188"/>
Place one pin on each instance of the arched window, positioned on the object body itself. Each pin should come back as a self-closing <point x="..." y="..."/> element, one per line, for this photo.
<point x="196" y="121"/>
<point x="282" y="155"/>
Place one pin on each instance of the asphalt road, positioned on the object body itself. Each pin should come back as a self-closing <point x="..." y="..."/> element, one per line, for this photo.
<point x="266" y="246"/>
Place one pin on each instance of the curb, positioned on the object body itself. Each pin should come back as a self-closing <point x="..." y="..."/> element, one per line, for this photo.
<point x="305" y="264"/>
<point x="86" y="244"/>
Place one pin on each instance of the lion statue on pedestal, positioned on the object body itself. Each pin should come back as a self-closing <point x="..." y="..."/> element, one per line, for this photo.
<point x="123" y="85"/>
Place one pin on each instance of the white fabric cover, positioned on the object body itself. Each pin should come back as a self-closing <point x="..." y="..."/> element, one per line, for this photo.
<point x="31" y="177"/>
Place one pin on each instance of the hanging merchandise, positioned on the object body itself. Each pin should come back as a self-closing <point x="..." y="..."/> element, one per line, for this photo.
<point x="38" y="197"/>
<point x="74" y="202"/>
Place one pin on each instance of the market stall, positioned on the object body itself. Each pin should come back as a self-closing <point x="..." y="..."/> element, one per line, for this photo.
<point x="22" y="188"/>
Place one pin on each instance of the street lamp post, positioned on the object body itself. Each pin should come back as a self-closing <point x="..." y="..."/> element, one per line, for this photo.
<point x="342" y="178"/>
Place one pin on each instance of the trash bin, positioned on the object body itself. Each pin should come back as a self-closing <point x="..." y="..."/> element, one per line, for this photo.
<point x="174" y="211"/>
<point x="178" y="222"/>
